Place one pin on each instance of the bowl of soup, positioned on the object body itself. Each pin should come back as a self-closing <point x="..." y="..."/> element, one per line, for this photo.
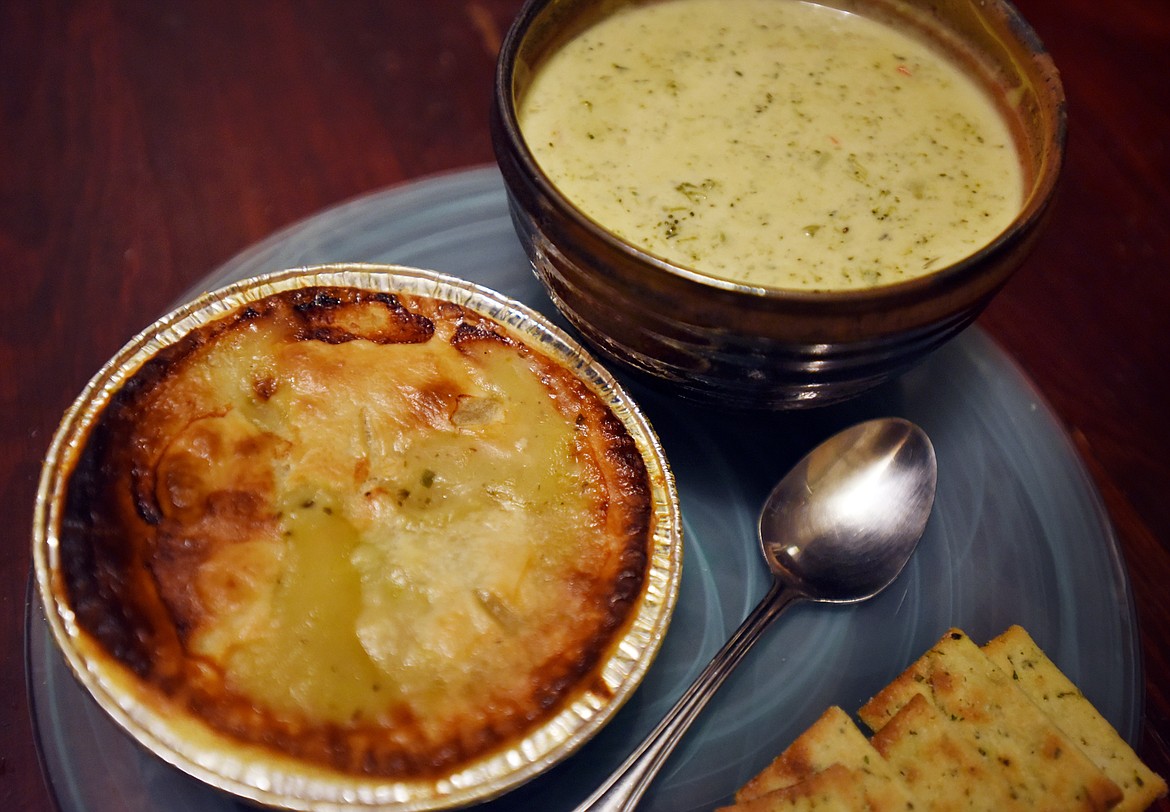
<point x="772" y="203"/>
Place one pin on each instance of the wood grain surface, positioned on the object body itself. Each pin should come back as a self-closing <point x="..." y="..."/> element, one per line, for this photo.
<point x="145" y="142"/>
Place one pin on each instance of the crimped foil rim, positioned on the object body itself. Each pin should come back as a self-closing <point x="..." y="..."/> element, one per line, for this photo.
<point x="283" y="782"/>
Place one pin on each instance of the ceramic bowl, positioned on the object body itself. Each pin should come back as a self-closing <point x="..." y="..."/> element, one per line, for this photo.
<point x="731" y="344"/>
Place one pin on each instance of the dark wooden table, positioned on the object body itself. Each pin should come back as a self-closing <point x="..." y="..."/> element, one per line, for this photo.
<point x="145" y="142"/>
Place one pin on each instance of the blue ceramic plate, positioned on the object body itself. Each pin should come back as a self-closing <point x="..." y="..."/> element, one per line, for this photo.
<point x="1018" y="535"/>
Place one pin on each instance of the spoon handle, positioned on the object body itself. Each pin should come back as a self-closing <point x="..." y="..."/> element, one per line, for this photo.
<point x="622" y="790"/>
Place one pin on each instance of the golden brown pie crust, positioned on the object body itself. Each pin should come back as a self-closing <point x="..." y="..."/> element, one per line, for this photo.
<point x="310" y="409"/>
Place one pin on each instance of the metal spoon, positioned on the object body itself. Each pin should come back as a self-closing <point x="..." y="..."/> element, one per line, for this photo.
<point x="838" y="528"/>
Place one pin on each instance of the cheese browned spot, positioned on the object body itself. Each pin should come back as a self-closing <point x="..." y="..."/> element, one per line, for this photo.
<point x="377" y="532"/>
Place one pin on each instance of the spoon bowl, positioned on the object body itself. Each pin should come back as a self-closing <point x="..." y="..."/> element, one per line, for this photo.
<point x="838" y="529"/>
<point x="842" y="524"/>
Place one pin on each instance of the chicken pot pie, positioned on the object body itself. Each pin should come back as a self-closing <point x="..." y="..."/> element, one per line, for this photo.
<point x="378" y="532"/>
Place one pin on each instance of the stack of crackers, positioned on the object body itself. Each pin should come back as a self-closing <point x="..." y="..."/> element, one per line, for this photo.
<point x="963" y="728"/>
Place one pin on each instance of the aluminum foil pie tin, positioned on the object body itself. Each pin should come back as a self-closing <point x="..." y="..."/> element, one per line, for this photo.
<point x="270" y="778"/>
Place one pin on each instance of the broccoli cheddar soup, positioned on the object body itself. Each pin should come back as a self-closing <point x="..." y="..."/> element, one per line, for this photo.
<point x="774" y="143"/>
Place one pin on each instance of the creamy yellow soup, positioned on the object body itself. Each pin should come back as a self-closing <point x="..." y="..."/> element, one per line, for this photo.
<point x="774" y="143"/>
